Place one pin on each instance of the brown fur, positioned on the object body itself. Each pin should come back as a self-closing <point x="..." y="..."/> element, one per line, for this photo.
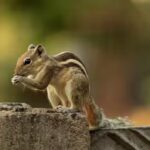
<point x="90" y="115"/>
<point x="19" y="64"/>
<point x="66" y="84"/>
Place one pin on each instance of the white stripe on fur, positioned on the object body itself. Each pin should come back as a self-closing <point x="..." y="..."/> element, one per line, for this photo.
<point x="76" y="62"/>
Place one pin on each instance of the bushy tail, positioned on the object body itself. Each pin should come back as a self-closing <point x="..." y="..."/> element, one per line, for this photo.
<point x="94" y="114"/>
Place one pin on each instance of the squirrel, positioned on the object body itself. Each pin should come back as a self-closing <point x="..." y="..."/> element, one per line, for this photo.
<point x="63" y="76"/>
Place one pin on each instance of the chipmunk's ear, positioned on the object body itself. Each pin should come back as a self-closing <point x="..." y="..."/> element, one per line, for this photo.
<point x="31" y="47"/>
<point x="39" y="49"/>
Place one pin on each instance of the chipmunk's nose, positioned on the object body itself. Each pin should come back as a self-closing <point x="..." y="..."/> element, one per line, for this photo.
<point x="17" y="74"/>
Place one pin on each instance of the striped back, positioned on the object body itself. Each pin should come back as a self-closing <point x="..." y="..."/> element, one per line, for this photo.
<point x="69" y="59"/>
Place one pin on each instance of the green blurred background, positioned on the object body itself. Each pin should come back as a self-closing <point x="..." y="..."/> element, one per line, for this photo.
<point x="112" y="38"/>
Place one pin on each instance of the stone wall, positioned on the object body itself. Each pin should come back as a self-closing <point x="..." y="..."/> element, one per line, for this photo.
<point x="26" y="128"/>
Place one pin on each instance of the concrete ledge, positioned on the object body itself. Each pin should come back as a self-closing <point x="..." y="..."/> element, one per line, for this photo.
<point x="26" y="128"/>
<point x="130" y="138"/>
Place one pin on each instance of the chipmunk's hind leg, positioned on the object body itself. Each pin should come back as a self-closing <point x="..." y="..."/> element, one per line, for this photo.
<point x="53" y="97"/>
<point x="76" y="90"/>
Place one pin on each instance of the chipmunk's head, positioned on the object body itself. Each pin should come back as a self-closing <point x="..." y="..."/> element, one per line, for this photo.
<point x="31" y="61"/>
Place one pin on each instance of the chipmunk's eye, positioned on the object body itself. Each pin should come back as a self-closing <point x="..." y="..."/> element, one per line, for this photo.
<point x="27" y="61"/>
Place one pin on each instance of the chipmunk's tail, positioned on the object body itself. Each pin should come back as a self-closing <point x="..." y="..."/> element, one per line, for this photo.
<point x="94" y="114"/>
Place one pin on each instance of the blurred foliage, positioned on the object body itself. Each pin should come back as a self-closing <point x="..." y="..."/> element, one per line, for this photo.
<point x="112" y="37"/>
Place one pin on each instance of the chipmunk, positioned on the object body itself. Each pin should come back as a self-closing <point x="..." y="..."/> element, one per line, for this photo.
<point x="63" y="76"/>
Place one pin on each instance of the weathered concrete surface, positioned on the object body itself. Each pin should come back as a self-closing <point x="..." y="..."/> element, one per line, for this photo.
<point x="132" y="138"/>
<point x="26" y="128"/>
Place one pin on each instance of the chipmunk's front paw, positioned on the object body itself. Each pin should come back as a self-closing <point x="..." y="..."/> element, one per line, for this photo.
<point x="16" y="80"/>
